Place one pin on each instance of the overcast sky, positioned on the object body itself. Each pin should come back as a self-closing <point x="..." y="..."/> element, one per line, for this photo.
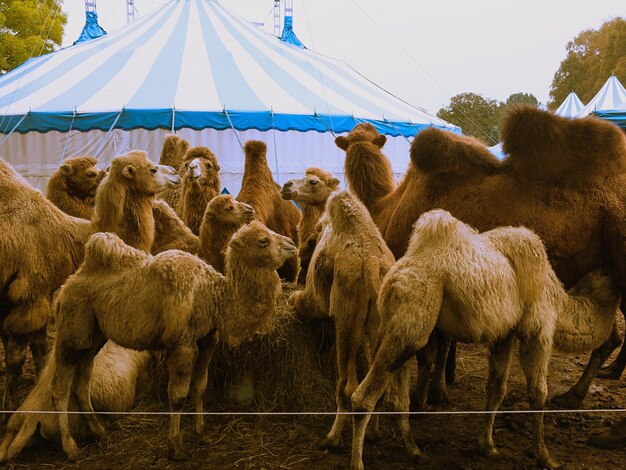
<point x="423" y="52"/>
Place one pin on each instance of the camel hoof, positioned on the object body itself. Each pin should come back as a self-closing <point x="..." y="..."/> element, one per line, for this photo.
<point x="547" y="462"/>
<point x="488" y="450"/>
<point x="420" y="458"/>
<point x="177" y="453"/>
<point x="329" y="444"/>
<point x="611" y="371"/>
<point x="567" y="401"/>
<point x="437" y="396"/>
<point x="74" y="456"/>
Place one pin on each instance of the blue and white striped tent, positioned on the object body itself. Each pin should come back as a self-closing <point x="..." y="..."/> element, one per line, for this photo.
<point x="196" y="68"/>
<point x="612" y="95"/>
<point x="570" y="107"/>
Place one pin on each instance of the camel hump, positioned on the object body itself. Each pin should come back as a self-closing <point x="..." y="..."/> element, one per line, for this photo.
<point x="437" y="151"/>
<point x="544" y="146"/>
<point x="107" y="250"/>
<point x="255" y="148"/>
<point x="169" y="156"/>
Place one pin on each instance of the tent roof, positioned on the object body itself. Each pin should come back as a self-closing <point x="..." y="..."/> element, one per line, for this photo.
<point x="193" y="63"/>
<point x="570" y="107"/>
<point x="611" y="96"/>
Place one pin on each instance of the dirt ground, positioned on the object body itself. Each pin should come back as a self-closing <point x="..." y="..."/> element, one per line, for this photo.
<point x="289" y="442"/>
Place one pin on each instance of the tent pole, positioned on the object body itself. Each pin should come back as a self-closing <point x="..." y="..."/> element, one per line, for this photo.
<point x="67" y="138"/>
<point x="234" y="130"/>
<point x="97" y="153"/>
<point x="14" y="127"/>
<point x="275" y="148"/>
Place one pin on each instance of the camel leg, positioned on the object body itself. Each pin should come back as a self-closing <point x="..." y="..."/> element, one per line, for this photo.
<point x="206" y="346"/>
<point x="574" y="397"/>
<point x="15" y="356"/>
<point x="534" y="358"/>
<point x="615" y="369"/>
<point x="82" y="389"/>
<point x="39" y="349"/>
<point x="499" y="367"/>
<point x="61" y="389"/>
<point x="180" y="365"/>
<point x="425" y="358"/>
<point x="438" y="392"/>
<point x="13" y="443"/>
<point x="451" y="363"/>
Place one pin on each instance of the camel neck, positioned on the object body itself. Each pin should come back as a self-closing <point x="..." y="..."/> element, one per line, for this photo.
<point x="311" y="214"/>
<point x="257" y="171"/>
<point x="213" y="241"/>
<point x="369" y="175"/>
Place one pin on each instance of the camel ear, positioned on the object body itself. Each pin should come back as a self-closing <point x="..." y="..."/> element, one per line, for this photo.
<point x="342" y="142"/>
<point x="333" y="183"/>
<point x="380" y="140"/>
<point x="66" y="169"/>
<point x="129" y="171"/>
<point x="217" y="168"/>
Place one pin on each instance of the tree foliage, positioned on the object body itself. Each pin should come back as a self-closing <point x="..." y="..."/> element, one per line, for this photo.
<point x="480" y="117"/>
<point x="592" y="57"/>
<point x="28" y="28"/>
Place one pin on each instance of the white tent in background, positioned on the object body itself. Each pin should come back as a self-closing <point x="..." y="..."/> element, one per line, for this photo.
<point x="612" y="95"/>
<point x="571" y="106"/>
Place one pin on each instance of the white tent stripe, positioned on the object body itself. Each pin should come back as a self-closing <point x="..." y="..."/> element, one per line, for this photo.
<point x="611" y="96"/>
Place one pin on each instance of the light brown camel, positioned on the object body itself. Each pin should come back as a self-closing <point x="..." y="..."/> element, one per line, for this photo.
<point x="72" y="188"/>
<point x="222" y="218"/>
<point x="490" y="288"/>
<point x="311" y="194"/>
<point x="119" y="376"/>
<point x="171" y="301"/>
<point x="170" y="232"/>
<point x="259" y="189"/>
<point x="346" y="272"/>
<point x="563" y="178"/>
<point x="35" y="266"/>
<point x="200" y="184"/>
<point x="172" y="154"/>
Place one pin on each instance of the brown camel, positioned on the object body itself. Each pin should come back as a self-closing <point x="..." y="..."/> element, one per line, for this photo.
<point x="171" y="301"/>
<point x="346" y="272"/>
<point x="259" y="189"/>
<point x="311" y="194"/>
<point x="72" y="188"/>
<point x="222" y="218"/>
<point x="563" y="178"/>
<point x="172" y="154"/>
<point x="492" y="288"/>
<point x="170" y="232"/>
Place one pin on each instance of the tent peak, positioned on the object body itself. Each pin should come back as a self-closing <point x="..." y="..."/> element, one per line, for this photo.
<point x="92" y="29"/>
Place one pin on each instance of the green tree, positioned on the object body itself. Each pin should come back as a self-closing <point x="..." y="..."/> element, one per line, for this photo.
<point x="522" y="98"/>
<point x="477" y="116"/>
<point x="592" y="57"/>
<point x="28" y="28"/>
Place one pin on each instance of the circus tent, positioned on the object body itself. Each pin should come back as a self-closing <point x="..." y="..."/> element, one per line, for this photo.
<point x="612" y="95"/>
<point x="195" y="68"/>
<point x="570" y="107"/>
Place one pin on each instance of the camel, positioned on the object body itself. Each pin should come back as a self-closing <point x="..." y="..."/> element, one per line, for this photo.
<point x="222" y="218"/>
<point x="72" y="187"/>
<point x="170" y="232"/>
<point x="346" y="272"/>
<point x="492" y="288"/>
<point x="200" y="184"/>
<point x="34" y="267"/>
<point x="259" y="189"/>
<point x="172" y="301"/>
<point x="563" y="179"/>
<point x="119" y="376"/>
<point x="172" y="154"/>
<point x="311" y="194"/>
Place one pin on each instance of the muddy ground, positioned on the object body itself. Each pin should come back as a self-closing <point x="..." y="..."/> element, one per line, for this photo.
<point x="289" y="442"/>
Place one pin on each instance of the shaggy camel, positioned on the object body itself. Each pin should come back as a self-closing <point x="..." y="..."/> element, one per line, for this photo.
<point x="171" y="301"/>
<point x="311" y="194"/>
<point x="200" y="184"/>
<point x="563" y="178"/>
<point x="486" y="288"/>
<point x="170" y="232"/>
<point x="54" y="249"/>
<point x="119" y="376"/>
<point x="172" y="154"/>
<point x="347" y="269"/>
<point x="222" y="218"/>
<point x="72" y="188"/>
<point x="259" y="189"/>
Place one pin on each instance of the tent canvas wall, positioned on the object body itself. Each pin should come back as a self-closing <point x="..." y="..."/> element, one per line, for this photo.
<point x="195" y="68"/>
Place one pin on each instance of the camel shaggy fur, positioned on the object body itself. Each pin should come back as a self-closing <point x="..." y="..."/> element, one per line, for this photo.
<point x="34" y="267"/>
<point x="311" y="194"/>
<point x="170" y="232"/>
<point x="119" y="376"/>
<point x="172" y="154"/>
<point x="222" y="218"/>
<point x="486" y="288"/>
<point x="259" y="189"/>
<point x="200" y="184"/>
<point x="72" y="188"/>
<point x="564" y="179"/>
<point x="171" y="301"/>
<point x="346" y="272"/>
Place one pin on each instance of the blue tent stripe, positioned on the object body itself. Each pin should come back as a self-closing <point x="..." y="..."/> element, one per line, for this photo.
<point x="231" y="87"/>
<point x="163" y="78"/>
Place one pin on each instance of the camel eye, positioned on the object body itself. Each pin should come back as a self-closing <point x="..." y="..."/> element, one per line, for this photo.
<point x="91" y="174"/>
<point x="153" y="171"/>
<point x="229" y="209"/>
<point x="313" y="182"/>
<point x="264" y="242"/>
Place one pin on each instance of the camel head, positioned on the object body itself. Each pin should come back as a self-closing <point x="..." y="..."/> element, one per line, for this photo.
<point x="362" y="132"/>
<point x="313" y="189"/>
<point x="82" y="175"/>
<point x="135" y="171"/>
<point x="598" y="286"/>
<point x="107" y="250"/>
<point x="201" y="164"/>
<point x="255" y="245"/>
<point x="227" y="211"/>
